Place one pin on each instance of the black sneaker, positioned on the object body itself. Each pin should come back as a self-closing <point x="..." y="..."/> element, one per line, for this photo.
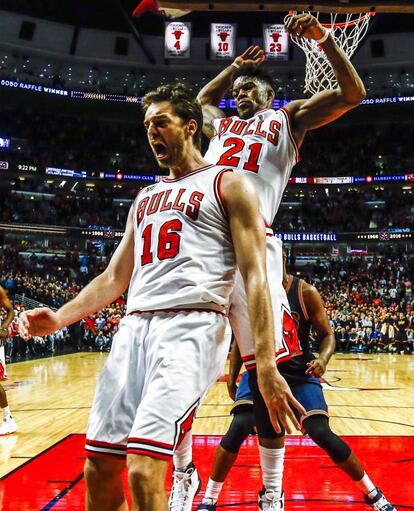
<point x="207" y="506"/>
<point x="379" y="502"/>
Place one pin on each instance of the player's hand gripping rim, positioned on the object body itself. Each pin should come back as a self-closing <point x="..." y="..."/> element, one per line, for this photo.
<point x="304" y="26"/>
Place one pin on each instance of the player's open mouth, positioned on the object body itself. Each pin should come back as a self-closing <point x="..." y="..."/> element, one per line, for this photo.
<point x="160" y="150"/>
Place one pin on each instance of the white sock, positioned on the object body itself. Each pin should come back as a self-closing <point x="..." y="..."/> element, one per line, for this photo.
<point x="272" y="461"/>
<point x="366" y="486"/>
<point x="183" y="455"/>
<point x="212" y="492"/>
<point x="6" y="413"/>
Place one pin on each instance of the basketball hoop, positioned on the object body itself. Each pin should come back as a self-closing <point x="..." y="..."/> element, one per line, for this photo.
<point x="347" y="30"/>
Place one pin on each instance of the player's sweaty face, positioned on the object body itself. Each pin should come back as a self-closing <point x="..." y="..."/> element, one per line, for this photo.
<point x="251" y="95"/>
<point x="165" y="132"/>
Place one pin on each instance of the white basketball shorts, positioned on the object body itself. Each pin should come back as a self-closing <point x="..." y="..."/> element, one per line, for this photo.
<point x="159" y="368"/>
<point x="286" y="343"/>
<point x="3" y="370"/>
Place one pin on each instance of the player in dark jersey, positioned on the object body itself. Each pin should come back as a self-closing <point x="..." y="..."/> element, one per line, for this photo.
<point x="302" y="373"/>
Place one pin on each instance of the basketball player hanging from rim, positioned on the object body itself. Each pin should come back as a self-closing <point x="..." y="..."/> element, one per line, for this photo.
<point x="263" y="144"/>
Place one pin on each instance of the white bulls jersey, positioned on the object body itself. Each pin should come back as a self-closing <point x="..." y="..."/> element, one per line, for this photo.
<point x="263" y="147"/>
<point x="183" y="255"/>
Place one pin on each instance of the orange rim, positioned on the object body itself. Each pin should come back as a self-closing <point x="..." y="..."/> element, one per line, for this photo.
<point x="344" y="24"/>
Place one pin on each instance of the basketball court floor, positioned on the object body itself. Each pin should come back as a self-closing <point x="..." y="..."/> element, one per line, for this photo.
<point x="371" y="404"/>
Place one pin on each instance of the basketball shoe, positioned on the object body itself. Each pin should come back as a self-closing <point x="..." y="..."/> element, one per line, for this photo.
<point x="185" y="487"/>
<point x="8" y="427"/>
<point x="207" y="506"/>
<point x="269" y="501"/>
<point x="379" y="502"/>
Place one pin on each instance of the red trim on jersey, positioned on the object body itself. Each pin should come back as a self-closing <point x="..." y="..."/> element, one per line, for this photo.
<point x="259" y="112"/>
<point x="154" y="443"/>
<point x="286" y="113"/>
<point x="173" y="180"/>
<point x="286" y="357"/>
<point x="217" y="192"/>
<point x="94" y="454"/>
<point x="250" y="361"/>
<point x="269" y="232"/>
<point x="97" y="443"/>
<point x="151" y="454"/>
<point x="170" y="311"/>
<point x="301" y="300"/>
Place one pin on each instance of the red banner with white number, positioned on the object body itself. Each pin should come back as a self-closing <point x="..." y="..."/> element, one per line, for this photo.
<point x="276" y="42"/>
<point x="177" y="40"/>
<point x="223" y="41"/>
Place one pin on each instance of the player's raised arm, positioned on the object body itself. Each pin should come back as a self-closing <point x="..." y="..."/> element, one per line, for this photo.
<point x="102" y="290"/>
<point x="328" y="105"/>
<point x="249" y="240"/>
<point x="212" y="93"/>
<point x="320" y="323"/>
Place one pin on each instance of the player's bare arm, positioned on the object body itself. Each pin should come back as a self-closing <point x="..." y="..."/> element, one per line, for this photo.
<point x="235" y="364"/>
<point x="212" y="93"/>
<point x="326" y="106"/>
<point x="101" y="291"/>
<point x="6" y="304"/>
<point x="320" y="323"/>
<point x="249" y="241"/>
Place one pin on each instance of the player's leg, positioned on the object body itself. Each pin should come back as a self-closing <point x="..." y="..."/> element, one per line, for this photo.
<point x="271" y="449"/>
<point x="8" y="424"/>
<point x="104" y="490"/>
<point x="183" y="454"/>
<point x="117" y="397"/>
<point x="271" y="445"/>
<point x="316" y="425"/>
<point x="146" y="479"/>
<point x="240" y="428"/>
<point x="185" y="357"/>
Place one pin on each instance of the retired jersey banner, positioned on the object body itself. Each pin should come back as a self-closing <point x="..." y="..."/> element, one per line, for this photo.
<point x="223" y="41"/>
<point x="177" y="40"/>
<point x="276" y="42"/>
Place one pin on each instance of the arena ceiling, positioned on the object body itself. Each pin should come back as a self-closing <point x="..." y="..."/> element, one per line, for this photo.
<point x="110" y="15"/>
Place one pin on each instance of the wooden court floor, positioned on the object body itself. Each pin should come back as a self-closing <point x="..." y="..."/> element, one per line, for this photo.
<point x="50" y="399"/>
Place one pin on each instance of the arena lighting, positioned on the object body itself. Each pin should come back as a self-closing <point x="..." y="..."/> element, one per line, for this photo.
<point x="119" y="176"/>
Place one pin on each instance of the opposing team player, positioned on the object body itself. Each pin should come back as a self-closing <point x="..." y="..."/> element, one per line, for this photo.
<point x="302" y="373"/>
<point x="178" y="257"/>
<point x="263" y="144"/>
<point x="8" y="425"/>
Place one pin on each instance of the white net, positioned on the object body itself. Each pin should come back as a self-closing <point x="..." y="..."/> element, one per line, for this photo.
<point x="348" y="30"/>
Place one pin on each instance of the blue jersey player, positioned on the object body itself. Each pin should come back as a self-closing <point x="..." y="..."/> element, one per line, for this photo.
<point x="302" y="373"/>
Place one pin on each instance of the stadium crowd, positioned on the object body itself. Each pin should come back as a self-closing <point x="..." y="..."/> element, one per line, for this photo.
<point x="370" y="301"/>
<point x="347" y="210"/>
<point x="49" y="139"/>
<point x="361" y="208"/>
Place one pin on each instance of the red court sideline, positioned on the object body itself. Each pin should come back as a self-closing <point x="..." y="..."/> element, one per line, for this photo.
<point x="53" y="480"/>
